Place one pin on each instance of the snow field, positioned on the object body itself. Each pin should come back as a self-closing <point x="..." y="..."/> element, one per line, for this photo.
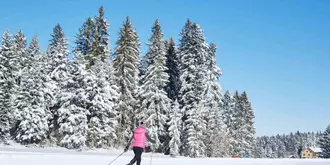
<point x="35" y="156"/>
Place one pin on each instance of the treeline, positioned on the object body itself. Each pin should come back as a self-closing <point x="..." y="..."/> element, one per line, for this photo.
<point x="284" y="146"/>
<point x="96" y="99"/>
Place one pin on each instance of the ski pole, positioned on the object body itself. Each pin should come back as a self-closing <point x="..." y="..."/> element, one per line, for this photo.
<point x="152" y="152"/>
<point x="116" y="158"/>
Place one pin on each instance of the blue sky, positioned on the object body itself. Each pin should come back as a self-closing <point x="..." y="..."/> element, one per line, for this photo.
<point x="277" y="51"/>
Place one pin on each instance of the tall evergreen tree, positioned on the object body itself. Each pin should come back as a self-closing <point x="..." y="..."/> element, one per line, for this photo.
<point x="239" y="144"/>
<point x="324" y="143"/>
<point x="102" y="94"/>
<point x="7" y="83"/>
<point x="228" y="110"/>
<point x="212" y="99"/>
<point x="101" y="45"/>
<point x="196" y="126"/>
<point x="249" y="123"/>
<point x="174" y="131"/>
<point x="83" y="49"/>
<point x="84" y="38"/>
<point x="20" y="51"/>
<point x="33" y="51"/>
<point x="155" y="103"/>
<point x="31" y="115"/>
<point x="55" y="74"/>
<point x="72" y="112"/>
<point x="57" y="51"/>
<point x="126" y="70"/>
<point x="193" y="53"/>
<point x="172" y="60"/>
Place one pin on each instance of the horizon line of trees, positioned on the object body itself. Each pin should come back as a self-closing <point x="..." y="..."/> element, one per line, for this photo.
<point x="96" y="99"/>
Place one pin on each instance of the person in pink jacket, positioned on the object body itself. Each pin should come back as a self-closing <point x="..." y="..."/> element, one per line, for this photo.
<point x="140" y="137"/>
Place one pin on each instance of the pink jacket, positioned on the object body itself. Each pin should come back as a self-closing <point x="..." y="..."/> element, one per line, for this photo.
<point x="140" y="137"/>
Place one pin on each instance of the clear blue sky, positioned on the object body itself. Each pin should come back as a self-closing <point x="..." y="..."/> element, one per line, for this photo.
<point x="278" y="51"/>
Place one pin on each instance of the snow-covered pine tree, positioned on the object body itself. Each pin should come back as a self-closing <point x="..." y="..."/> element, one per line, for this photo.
<point x="249" y="124"/>
<point x="101" y="45"/>
<point x="56" y="74"/>
<point x="259" y="150"/>
<point x="193" y="52"/>
<point x="30" y="114"/>
<point x="173" y="130"/>
<point x="102" y="94"/>
<point x="126" y="70"/>
<point x="196" y="126"/>
<point x="228" y="117"/>
<point x="57" y="51"/>
<point x="212" y="100"/>
<point x="7" y="83"/>
<point x="155" y="104"/>
<point x="228" y="110"/>
<point x="84" y="43"/>
<point x="172" y="87"/>
<point x="72" y="100"/>
<point x="20" y="51"/>
<point x="324" y="143"/>
<point x="84" y="38"/>
<point x="33" y="52"/>
<point x="281" y="147"/>
<point x="239" y="128"/>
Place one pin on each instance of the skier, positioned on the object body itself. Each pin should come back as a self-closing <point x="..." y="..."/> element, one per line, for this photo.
<point x="140" y="136"/>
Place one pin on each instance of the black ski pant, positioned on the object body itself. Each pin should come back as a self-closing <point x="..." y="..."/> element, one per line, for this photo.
<point x="137" y="155"/>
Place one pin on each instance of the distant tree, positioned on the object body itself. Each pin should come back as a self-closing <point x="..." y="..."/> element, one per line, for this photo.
<point x="249" y="123"/>
<point x="324" y="143"/>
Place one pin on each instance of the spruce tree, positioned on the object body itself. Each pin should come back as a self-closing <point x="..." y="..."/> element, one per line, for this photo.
<point x="103" y="95"/>
<point x="83" y="49"/>
<point x="126" y="70"/>
<point x="101" y="46"/>
<point x="57" y="51"/>
<point x="174" y="129"/>
<point x="85" y="39"/>
<point x="324" y="143"/>
<point x="7" y="83"/>
<point x="33" y="52"/>
<point x="155" y="103"/>
<point x="193" y="53"/>
<point x="196" y="126"/>
<point x="31" y="116"/>
<point x="238" y="127"/>
<point x="249" y="123"/>
<point x="228" y="111"/>
<point x="20" y="51"/>
<point x="212" y="99"/>
<point x="172" y="61"/>
<point x="72" y="113"/>
<point x="55" y="75"/>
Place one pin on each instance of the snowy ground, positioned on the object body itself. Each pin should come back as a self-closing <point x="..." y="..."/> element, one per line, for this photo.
<point x="59" y="156"/>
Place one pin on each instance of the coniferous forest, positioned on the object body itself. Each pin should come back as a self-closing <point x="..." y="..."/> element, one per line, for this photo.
<point x="96" y="98"/>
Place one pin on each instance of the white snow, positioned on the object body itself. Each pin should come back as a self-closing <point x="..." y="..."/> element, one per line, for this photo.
<point x="58" y="156"/>
<point x="317" y="150"/>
